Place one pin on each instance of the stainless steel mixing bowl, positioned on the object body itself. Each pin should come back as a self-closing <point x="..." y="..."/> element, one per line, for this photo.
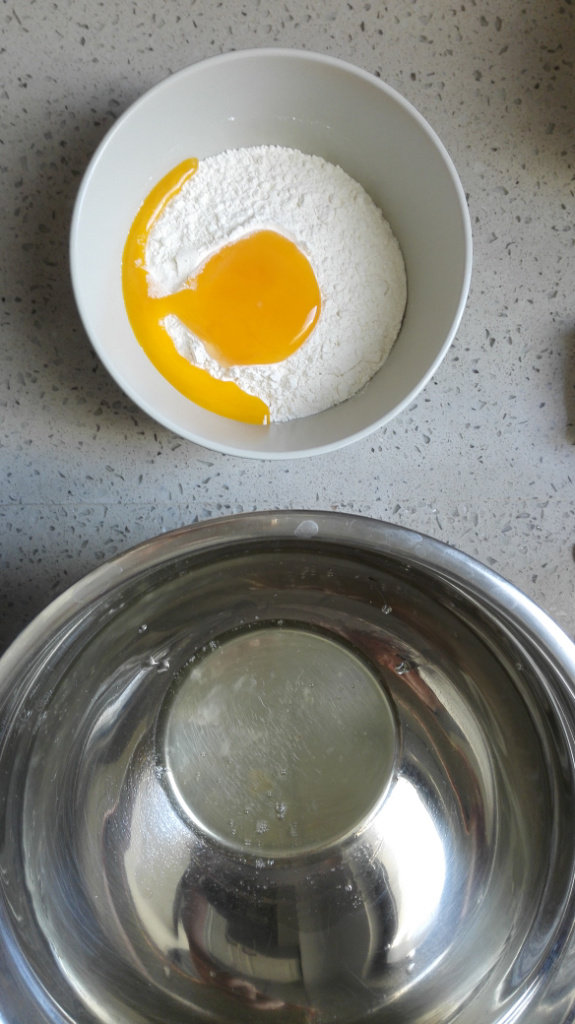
<point x="288" y="767"/>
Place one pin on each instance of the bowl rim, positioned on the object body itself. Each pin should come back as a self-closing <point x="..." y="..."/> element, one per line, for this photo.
<point x="297" y="55"/>
<point x="352" y="530"/>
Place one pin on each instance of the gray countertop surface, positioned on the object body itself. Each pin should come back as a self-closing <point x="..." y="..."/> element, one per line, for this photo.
<point x="484" y="459"/>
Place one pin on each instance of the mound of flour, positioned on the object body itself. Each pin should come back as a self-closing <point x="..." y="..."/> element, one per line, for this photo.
<point x="355" y="257"/>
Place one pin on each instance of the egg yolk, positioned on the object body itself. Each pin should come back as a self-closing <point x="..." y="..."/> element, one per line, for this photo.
<point x="255" y="300"/>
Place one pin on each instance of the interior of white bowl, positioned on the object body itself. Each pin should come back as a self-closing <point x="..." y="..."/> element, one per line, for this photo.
<point x="319" y="105"/>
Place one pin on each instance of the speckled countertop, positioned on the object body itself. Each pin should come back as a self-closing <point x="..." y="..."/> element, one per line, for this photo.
<point x="484" y="459"/>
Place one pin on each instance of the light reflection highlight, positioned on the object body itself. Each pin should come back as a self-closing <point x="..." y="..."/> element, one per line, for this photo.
<point x="415" y="864"/>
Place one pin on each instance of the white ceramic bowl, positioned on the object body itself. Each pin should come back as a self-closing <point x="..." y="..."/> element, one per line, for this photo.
<point x="319" y="105"/>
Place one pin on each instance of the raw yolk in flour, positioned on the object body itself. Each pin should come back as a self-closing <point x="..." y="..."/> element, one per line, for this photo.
<point x="255" y="300"/>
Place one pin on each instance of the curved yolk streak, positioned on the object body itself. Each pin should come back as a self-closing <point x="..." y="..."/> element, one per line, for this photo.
<point x="255" y="301"/>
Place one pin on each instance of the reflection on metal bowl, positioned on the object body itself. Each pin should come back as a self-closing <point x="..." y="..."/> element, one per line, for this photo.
<point x="309" y="765"/>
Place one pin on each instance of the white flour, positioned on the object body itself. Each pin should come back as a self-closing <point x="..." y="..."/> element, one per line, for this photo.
<point x="355" y="257"/>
